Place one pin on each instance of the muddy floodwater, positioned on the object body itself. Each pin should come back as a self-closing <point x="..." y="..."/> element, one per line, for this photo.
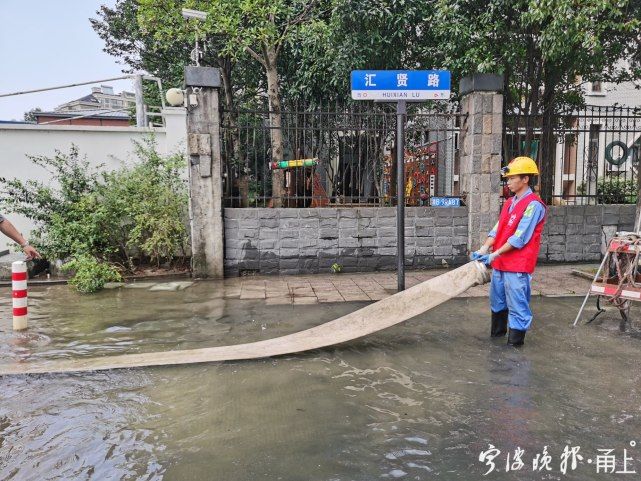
<point x="421" y="400"/>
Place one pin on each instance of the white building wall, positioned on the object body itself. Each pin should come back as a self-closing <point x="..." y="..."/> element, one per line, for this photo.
<point x="625" y="94"/>
<point x="110" y="146"/>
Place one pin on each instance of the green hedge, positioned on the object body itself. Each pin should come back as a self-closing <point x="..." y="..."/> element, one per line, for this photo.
<point x="613" y="191"/>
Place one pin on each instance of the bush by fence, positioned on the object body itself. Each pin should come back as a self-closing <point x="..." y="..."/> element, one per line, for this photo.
<point x="103" y="224"/>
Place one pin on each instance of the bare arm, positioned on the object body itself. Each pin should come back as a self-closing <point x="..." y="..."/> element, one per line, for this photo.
<point x="489" y="242"/>
<point x="8" y="229"/>
<point x="507" y="247"/>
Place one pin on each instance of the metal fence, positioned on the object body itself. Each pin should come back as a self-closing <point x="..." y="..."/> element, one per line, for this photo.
<point x="338" y="155"/>
<point x="596" y="156"/>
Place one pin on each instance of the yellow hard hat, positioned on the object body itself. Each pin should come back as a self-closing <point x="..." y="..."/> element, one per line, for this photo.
<point x="520" y="166"/>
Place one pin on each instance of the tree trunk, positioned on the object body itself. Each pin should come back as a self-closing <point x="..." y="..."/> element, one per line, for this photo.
<point x="233" y="133"/>
<point x="275" y="120"/>
<point x="510" y="120"/>
<point x="393" y="169"/>
<point x="243" y="189"/>
<point x="548" y="143"/>
<point x="532" y="110"/>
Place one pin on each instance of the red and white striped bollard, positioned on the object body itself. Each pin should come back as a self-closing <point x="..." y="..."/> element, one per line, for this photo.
<point x="20" y="299"/>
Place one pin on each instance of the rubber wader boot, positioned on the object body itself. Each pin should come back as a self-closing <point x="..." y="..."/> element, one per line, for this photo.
<point x="516" y="337"/>
<point x="499" y="323"/>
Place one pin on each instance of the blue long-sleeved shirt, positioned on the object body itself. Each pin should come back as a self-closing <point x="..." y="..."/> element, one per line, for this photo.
<point x="531" y="217"/>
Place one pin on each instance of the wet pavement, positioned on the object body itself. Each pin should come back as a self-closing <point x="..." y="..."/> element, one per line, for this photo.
<point x="548" y="280"/>
<point x="420" y="400"/>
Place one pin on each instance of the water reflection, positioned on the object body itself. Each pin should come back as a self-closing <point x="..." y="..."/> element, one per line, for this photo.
<point x="417" y="401"/>
<point x="74" y="427"/>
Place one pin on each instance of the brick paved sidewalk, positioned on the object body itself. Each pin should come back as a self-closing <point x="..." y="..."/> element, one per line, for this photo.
<point x="553" y="280"/>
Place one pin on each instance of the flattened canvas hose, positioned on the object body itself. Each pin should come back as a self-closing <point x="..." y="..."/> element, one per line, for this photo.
<point x="372" y="318"/>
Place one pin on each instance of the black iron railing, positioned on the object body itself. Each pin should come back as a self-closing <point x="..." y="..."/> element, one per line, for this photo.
<point x="595" y="158"/>
<point x="338" y="155"/>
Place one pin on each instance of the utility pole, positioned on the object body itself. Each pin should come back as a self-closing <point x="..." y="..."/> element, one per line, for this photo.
<point x="141" y="115"/>
<point x="401" y="112"/>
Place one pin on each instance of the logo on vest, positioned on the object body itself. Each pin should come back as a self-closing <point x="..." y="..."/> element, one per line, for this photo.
<point x="512" y="219"/>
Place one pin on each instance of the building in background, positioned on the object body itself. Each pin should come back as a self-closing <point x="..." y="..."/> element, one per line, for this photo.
<point x="102" y="107"/>
<point x="84" y="117"/>
<point x="607" y="94"/>
<point x="102" y="98"/>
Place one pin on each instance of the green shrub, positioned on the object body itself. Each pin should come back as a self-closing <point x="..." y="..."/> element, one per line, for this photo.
<point x="121" y="219"/>
<point x="152" y="198"/>
<point x="612" y="190"/>
<point x="89" y="274"/>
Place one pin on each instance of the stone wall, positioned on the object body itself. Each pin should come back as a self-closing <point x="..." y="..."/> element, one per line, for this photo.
<point x="297" y="241"/>
<point x="293" y="241"/>
<point x="579" y="233"/>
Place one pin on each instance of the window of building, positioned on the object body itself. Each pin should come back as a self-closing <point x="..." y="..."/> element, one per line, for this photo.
<point x="596" y="87"/>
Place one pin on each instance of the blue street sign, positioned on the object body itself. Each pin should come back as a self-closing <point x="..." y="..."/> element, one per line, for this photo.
<point x="445" y="202"/>
<point x="394" y="85"/>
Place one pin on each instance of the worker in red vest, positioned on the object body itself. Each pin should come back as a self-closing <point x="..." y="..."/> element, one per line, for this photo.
<point x="515" y="241"/>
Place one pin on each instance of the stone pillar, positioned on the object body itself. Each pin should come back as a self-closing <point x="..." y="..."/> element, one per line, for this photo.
<point x="480" y="164"/>
<point x="205" y="171"/>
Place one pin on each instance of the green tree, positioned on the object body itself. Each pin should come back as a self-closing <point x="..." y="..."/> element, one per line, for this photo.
<point x="145" y="49"/>
<point x="118" y="27"/>
<point x="352" y="35"/>
<point x="255" y="28"/>
<point x="163" y="49"/>
<point x="545" y="51"/>
<point x="30" y="116"/>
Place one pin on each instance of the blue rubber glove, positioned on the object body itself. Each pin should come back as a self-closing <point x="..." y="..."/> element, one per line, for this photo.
<point x="476" y="255"/>
<point x="487" y="259"/>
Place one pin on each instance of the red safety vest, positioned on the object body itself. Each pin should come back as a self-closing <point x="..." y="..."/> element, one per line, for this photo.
<point x="517" y="260"/>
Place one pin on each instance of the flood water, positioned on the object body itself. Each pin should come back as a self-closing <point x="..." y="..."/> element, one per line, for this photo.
<point x="421" y="400"/>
